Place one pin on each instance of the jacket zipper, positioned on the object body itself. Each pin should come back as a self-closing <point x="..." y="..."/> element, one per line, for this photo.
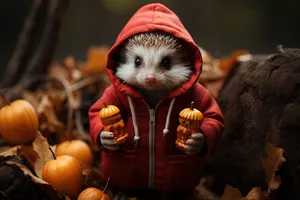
<point x="151" y="148"/>
<point x="151" y="145"/>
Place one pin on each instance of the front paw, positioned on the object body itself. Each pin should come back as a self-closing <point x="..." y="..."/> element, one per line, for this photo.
<point x="194" y="144"/>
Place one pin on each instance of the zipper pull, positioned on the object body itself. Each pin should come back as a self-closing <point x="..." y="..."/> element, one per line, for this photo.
<point x="151" y="112"/>
<point x="152" y="117"/>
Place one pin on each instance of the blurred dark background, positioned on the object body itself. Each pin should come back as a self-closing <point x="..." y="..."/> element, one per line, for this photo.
<point x="216" y="25"/>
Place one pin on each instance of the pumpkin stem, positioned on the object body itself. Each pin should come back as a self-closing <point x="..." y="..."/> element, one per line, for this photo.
<point x="53" y="154"/>
<point x="192" y="105"/>
<point x="106" y="185"/>
<point x="104" y="104"/>
<point x="6" y="100"/>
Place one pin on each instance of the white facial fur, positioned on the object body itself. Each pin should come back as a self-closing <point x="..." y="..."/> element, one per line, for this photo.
<point x="151" y="56"/>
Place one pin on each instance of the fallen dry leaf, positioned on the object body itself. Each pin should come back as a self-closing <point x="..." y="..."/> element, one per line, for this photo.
<point x="231" y="193"/>
<point x="21" y="153"/>
<point x="47" y="116"/>
<point x="96" y="60"/>
<point x="58" y="69"/>
<point x="41" y="147"/>
<point x="70" y="62"/>
<point x="57" y="98"/>
<point x="31" y="97"/>
<point x="48" y="189"/>
<point x="255" y="194"/>
<point x="228" y="63"/>
<point x="30" y="154"/>
<point x="11" y="151"/>
<point x="4" y="148"/>
<point x="271" y="164"/>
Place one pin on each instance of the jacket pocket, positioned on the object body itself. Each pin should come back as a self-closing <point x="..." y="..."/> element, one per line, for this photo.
<point x="183" y="172"/>
<point x="120" y="168"/>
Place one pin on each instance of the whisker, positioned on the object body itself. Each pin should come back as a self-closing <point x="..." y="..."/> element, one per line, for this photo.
<point x="167" y="86"/>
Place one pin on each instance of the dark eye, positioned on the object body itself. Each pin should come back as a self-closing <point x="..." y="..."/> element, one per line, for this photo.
<point x="138" y="61"/>
<point x="190" y="123"/>
<point x="166" y="62"/>
<point x="183" y="121"/>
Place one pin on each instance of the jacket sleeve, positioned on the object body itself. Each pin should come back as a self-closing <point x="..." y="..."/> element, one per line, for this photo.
<point x="109" y="96"/>
<point x="213" y="120"/>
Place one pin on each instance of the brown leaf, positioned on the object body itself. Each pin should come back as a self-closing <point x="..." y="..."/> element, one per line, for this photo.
<point x="231" y="193"/>
<point x="48" y="189"/>
<point x="58" y="69"/>
<point x="46" y="111"/>
<point x="41" y="147"/>
<point x="228" y="63"/>
<point x="70" y="62"/>
<point x="30" y="154"/>
<point x="32" y="98"/>
<point x="271" y="164"/>
<point x="96" y="60"/>
<point x="4" y="148"/>
<point x="255" y="194"/>
<point x="57" y="98"/>
<point x="11" y="151"/>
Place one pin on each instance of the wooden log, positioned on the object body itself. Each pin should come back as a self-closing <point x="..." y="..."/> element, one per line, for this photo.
<point x="260" y="102"/>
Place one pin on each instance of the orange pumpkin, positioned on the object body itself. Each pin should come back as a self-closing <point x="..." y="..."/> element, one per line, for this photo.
<point x="76" y="148"/>
<point x="110" y="117"/>
<point x="190" y="120"/>
<point x="65" y="175"/>
<point x="18" y="122"/>
<point x="92" y="194"/>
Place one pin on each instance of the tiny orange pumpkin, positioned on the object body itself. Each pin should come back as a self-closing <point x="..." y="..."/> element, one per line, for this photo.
<point x="18" y="122"/>
<point x="110" y="117"/>
<point x="190" y="120"/>
<point x="92" y="193"/>
<point x="76" y="148"/>
<point x="64" y="174"/>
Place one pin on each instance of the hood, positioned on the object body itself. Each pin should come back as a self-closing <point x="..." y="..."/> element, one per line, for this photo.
<point x="153" y="17"/>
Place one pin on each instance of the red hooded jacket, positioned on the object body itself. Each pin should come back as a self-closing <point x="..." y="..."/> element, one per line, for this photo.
<point x="155" y="162"/>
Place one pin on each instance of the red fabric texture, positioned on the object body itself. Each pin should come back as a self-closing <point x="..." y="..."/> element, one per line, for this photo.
<point x="128" y="168"/>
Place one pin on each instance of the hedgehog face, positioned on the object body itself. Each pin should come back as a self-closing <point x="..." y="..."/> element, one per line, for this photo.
<point x="154" y="61"/>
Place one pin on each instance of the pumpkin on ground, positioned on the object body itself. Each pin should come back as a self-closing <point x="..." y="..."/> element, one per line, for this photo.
<point x="76" y="148"/>
<point x="65" y="175"/>
<point x="93" y="194"/>
<point x="18" y="122"/>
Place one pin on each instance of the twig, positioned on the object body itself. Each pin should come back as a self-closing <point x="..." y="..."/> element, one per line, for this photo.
<point x="21" y="53"/>
<point x="70" y="99"/>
